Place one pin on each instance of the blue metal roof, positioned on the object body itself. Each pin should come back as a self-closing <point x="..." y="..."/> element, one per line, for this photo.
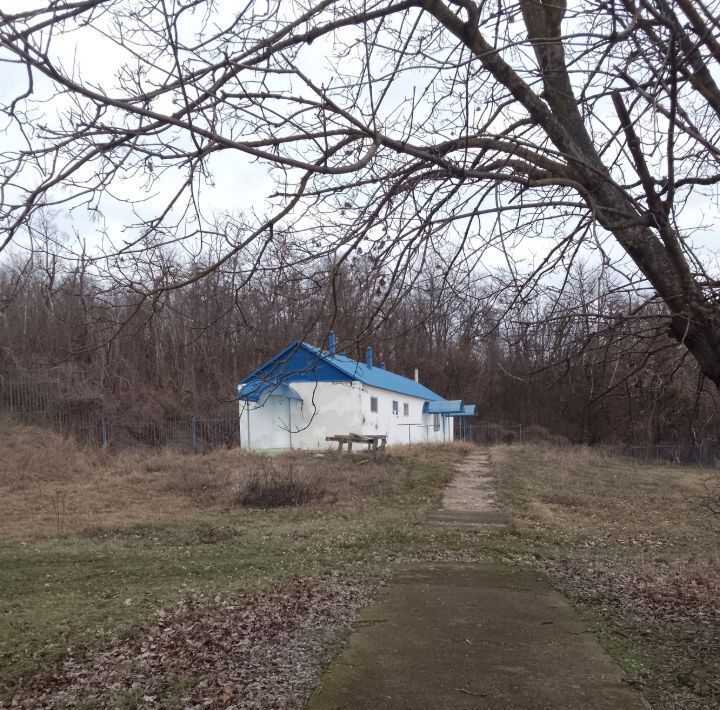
<point x="446" y="406"/>
<point x="376" y="376"/>
<point x="300" y="362"/>
<point x="257" y="390"/>
<point x="450" y="408"/>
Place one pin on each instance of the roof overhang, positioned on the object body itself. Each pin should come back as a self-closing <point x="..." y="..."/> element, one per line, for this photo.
<point x="259" y="391"/>
<point x="450" y="408"/>
<point x="443" y="406"/>
<point x="468" y="410"/>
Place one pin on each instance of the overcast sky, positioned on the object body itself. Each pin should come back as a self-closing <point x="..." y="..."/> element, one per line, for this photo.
<point x="240" y="184"/>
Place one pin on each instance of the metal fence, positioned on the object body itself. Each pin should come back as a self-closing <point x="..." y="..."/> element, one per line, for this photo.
<point x="26" y="396"/>
<point x="35" y="402"/>
<point x="198" y="434"/>
<point x="489" y="434"/>
<point x="705" y="455"/>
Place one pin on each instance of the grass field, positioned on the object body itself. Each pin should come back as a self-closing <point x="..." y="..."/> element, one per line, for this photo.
<point x="93" y="545"/>
<point x="144" y="565"/>
<point x="635" y="549"/>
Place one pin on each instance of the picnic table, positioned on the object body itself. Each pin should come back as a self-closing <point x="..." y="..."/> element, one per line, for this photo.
<point x="375" y="442"/>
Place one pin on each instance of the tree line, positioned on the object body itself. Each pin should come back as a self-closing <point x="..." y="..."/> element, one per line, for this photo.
<point x="404" y="127"/>
<point x="586" y="359"/>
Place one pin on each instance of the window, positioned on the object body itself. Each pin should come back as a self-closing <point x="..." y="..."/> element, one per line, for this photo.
<point x="373" y="404"/>
<point x="395" y="407"/>
<point x="436" y="422"/>
<point x="406" y="409"/>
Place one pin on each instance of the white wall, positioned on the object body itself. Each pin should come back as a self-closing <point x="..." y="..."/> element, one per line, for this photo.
<point x="330" y="408"/>
<point x="270" y="425"/>
<point x="414" y="428"/>
<point x="327" y="408"/>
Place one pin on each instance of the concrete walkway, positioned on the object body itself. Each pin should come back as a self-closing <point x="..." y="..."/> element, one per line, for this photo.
<point x="470" y="500"/>
<point x="461" y="637"/>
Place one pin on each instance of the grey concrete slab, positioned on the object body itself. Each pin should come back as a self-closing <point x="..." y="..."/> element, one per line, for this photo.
<point x="472" y="637"/>
<point x="456" y="637"/>
<point x="470" y="500"/>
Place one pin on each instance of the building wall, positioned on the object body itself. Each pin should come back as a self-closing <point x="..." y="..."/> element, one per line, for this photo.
<point x="327" y="408"/>
<point x="330" y="408"/>
<point x="415" y="427"/>
<point x="270" y="425"/>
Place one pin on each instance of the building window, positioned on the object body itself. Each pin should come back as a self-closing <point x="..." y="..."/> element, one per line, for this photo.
<point x="395" y="407"/>
<point x="406" y="409"/>
<point x="436" y="422"/>
<point x="373" y="404"/>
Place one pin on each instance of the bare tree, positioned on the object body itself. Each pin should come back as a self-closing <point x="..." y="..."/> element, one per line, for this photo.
<point x="576" y="364"/>
<point x="406" y="129"/>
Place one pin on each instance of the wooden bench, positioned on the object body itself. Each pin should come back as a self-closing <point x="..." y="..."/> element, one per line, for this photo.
<point x="375" y="442"/>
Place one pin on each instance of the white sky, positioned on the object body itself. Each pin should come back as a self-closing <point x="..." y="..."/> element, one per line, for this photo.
<point x="240" y="183"/>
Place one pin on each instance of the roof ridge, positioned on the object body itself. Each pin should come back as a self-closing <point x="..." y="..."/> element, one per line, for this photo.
<point x="360" y="371"/>
<point x="288" y="366"/>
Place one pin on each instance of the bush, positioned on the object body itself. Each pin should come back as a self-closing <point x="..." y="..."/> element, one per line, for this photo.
<point x="272" y="487"/>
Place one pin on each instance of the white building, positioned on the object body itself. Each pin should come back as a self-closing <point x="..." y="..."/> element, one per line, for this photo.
<point x="304" y="394"/>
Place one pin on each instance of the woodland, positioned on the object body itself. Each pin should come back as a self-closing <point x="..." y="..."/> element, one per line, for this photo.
<point x="519" y="199"/>
<point x="575" y="364"/>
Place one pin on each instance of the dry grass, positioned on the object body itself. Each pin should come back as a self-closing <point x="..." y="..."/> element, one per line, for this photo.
<point x="581" y="497"/>
<point x="414" y="450"/>
<point x="93" y="544"/>
<point x="50" y="486"/>
<point x="634" y="547"/>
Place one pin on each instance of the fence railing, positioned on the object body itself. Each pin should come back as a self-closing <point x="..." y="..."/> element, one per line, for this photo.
<point x="705" y="455"/>
<point x="33" y="402"/>
<point x="489" y="434"/>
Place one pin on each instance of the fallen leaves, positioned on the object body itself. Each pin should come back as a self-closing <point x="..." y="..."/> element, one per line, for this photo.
<point x="264" y="650"/>
<point x="678" y="591"/>
<point x="668" y="612"/>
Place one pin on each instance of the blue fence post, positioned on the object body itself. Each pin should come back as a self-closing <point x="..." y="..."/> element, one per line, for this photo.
<point x="657" y="454"/>
<point x="104" y="434"/>
<point x="193" y="434"/>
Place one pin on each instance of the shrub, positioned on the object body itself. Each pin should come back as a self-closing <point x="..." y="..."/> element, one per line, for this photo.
<point x="273" y="487"/>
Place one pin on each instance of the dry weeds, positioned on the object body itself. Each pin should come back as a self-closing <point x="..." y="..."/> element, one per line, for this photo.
<point x="50" y="486"/>
<point x="634" y="547"/>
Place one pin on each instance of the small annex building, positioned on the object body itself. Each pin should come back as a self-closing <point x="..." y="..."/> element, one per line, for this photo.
<point x="305" y="394"/>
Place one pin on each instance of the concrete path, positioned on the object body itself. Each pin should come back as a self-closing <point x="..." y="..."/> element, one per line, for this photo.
<point x="462" y="637"/>
<point x="470" y="499"/>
